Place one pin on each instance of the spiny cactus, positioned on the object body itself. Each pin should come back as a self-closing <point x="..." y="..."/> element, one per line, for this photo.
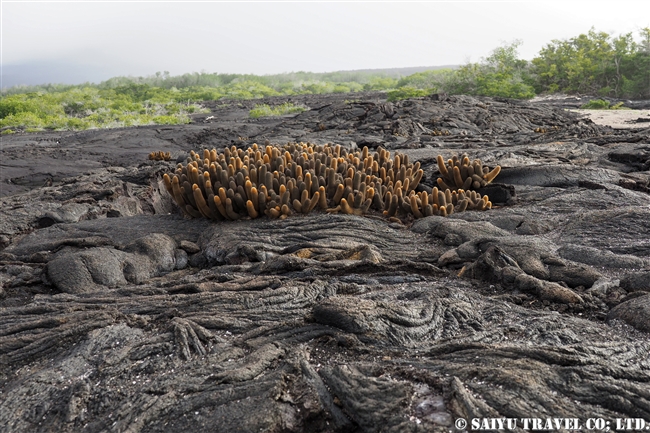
<point x="160" y="156"/>
<point x="541" y="130"/>
<point x="439" y="132"/>
<point x="296" y="178"/>
<point x="459" y="174"/>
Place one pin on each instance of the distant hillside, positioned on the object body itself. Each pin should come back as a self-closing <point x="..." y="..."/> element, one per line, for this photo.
<point x="400" y="72"/>
<point x="62" y="72"/>
<point x="53" y="71"/>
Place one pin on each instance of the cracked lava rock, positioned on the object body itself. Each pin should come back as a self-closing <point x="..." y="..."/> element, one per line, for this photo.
<point x="118" y="313"/>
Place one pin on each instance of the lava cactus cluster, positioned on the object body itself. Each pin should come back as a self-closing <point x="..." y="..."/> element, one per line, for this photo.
<point x="160" y="156"/>
<point x="297" y="178"/>
<point x="459" y="173"/>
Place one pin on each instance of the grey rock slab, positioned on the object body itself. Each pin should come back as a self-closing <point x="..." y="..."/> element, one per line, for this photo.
<point x="635" y="157"/>
<point x="108" y="231"/>
<point x="358" y="392"/>
<point x="70" y="213"/>
<point x="110" y="192"/>
<point x="159" y="248"/>
<point x="621" y="230"/>
<point x="406" y="323"/>
<point x="599" y="258"/>
<point x="556" y="175"/>
<point x="635" y="312"/>
<point x="86" y="270"/>
<point x="321" y="237"/>
<point x="636" y="281"/>
<point x="441" y="227"/>
<point x="534" y="255"/>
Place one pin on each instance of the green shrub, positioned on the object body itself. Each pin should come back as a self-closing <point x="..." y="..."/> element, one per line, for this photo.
<point x="427" y="79"/>
<point x="596" y="104"/>
<point x="22" y="120"/>
<point x="12" y="105"/>
<point x="380" y="83"/>
<point x="618" y="106"/>
<point x="406" y="93"/>
<point x="599" y="104"/>
<point x="265" y="110"/>
<point x="86" y="107"/>
<point x="247" y="90"/>
<point x="318" y="88"/>
<point x="504" y="86"/>
<point x="340" y="88"/>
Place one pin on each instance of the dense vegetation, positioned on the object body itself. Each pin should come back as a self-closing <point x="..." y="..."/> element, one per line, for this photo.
<point x="264" y="110"/>
<point x="595" y="63"/>
<point x="86" y="107"/>
<point x="600" y="104"/>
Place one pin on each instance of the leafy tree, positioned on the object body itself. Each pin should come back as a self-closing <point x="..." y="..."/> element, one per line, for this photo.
<point x="433" y="80"/>
<point x="502" y="74"/>
<point x="595" y="63"/>
<point x="637" y="85"/>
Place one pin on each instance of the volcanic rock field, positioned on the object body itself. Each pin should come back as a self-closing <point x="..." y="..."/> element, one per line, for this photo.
<point x="121" y="313"/>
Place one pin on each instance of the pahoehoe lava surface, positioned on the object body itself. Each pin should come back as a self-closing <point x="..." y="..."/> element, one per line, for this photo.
<point x="118" y="314"/>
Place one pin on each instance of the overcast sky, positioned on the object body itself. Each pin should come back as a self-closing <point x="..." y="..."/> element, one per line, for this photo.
<point x="97" y="40"/>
